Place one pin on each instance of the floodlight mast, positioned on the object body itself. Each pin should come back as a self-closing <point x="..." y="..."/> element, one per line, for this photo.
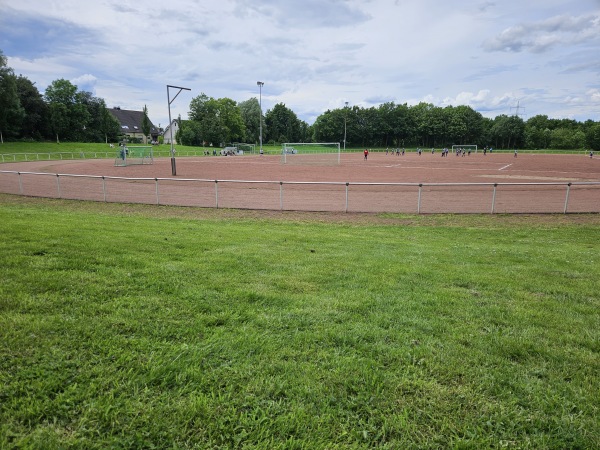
<point x="260" y="84"/>
<point x="345" y="116"/>
<point x="173" y="167"/>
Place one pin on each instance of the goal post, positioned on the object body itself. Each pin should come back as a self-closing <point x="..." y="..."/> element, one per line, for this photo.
<point x="315" y="153"/>
<point x="245" y="148"/>
<point x="131" y="156"/>
<point x="466" y="147"/>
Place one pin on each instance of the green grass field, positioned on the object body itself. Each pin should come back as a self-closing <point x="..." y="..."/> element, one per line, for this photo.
<point x="132" y="326"/>
<point x="31" y="151"/>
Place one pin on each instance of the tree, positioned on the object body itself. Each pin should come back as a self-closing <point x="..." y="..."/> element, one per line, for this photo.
<point x="35" y="121"/>
<point x="146" y="125"/>
<point x="220" y="120"/>
<point x="420" y="116"/>
<point x="84" y="116"/>
<point x="538" y="132"/>
<point x="362" y="126"/>
<point x="190" y="133"/>
<point x="61" y="91"/>
<point x="283" y="125"/>
<point x="385" y="128"/>
<point x="251" y="114"/>
<point x="508" y="131"/>
<point x="329" y="126"/>
<point x="437" y="126"/>
<point x="402" y="125"/>
<point x="60" y="95"/>
<point x="465" y="125"/>
<point x="567" y="138"/>
<point x="92" y="123"/>
<point x="11" y="112"/>
<point x="231" y="122"/>
<point x="592" y="136"/>
<point x="305" y="131"/>
<point x="109" y="125"/>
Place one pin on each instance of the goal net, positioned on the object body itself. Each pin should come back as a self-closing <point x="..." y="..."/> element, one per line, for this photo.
<point x="466" y="147"/>
<point x="131" y="156"/>
<point x="245" y="148"/>
<point x="307" y="153"/>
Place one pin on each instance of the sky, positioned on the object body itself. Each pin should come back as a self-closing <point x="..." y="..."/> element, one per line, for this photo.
<point x="524" y="57"/>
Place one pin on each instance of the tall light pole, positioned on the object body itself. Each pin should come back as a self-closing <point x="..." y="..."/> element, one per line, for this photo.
<point x="345" y="116"/>
<point x="260" y="84"/>
<point x="173" y="168"/>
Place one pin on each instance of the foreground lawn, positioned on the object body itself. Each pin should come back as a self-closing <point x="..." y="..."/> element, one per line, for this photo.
<point x="131" y="326"/>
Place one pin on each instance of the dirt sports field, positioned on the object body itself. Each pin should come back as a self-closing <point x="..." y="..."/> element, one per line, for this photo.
<point x="528" y="183"/>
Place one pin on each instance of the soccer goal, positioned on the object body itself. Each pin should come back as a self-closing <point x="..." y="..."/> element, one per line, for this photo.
<point x="466" y="147"/>
<point x="315" y="153"/>
<point x="245" y="148"/>
<point x="131" y="156"/>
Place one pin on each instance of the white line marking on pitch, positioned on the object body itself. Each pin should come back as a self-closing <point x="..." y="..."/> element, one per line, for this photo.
<point x="502" y="168"/>
<point x="395" y="165"/>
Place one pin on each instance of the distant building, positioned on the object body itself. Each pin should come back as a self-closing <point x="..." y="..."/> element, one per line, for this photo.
<point x="131" y="124"/>
<point x="167" y="133"/>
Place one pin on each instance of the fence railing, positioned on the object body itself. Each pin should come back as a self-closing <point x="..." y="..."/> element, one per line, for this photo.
<point x="555" y="197"/>
<point x="164" y="152"/>
<point x="54" y="156"/>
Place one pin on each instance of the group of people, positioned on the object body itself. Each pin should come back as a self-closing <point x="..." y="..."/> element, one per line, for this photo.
<point x="445" y="151"/>
<point x="396" y="151"/>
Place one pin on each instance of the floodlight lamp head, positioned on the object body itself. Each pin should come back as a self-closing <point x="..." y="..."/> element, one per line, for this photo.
<point x="260" y="83"/>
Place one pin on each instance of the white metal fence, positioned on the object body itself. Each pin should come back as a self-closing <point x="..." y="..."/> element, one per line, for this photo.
<point x="556" y="197"/>
<point x="54" y="156"/>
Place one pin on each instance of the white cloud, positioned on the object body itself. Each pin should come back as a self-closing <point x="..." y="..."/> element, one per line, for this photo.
<point x="594" y="95"/>
<point x="314" y="55"/>
<point x="85" y="82"/>
<point x="542" y="35"/>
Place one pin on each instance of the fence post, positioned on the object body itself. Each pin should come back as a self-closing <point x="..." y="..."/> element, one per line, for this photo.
<point x="347" y="184"/>
<point x="58" y="184"/>
<point x="104" y="188"/>
<point x="281" y="195"/>
<point x="157" y="196"/>
<point x="494" y="198"/>
<point x="217" y="193"/>
<point x="567" y="197"/>
<point x="419" y="201"/>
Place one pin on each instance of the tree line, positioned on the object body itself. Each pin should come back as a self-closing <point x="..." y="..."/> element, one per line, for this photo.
<point x="387" y="125"/>
<point x="65" y="113"/>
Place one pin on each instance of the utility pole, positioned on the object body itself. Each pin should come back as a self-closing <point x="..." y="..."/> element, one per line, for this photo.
<point x="173" y="168"/>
